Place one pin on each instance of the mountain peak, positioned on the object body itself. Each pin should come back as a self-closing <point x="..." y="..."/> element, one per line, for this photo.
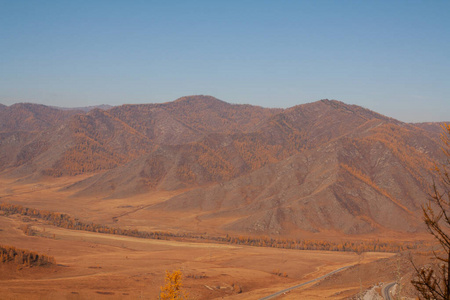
<point x="199" y="99"/>
<point x="355" y="109"/>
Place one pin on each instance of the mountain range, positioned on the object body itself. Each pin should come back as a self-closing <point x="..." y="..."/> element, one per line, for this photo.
<point x="314" y="167"/>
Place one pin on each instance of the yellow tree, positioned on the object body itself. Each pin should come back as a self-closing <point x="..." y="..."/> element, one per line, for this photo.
<point x="172" y="290"/>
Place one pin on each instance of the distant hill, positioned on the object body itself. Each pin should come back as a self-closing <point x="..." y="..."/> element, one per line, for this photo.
<point x="435" y="127"/>
<point x="31" y="117"/>
<point x="85" y="108"/>
<point x="314" y="167"/>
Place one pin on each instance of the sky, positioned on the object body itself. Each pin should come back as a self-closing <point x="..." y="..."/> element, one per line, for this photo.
<point x="389" y="56"/>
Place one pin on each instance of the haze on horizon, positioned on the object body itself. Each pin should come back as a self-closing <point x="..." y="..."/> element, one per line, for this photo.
<point x="390" y="57"/>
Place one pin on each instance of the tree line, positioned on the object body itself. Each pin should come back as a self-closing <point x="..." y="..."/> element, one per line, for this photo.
<point x="68" y="222"/>
<point x="299" y="244"/>
<point x="24" y="257"/>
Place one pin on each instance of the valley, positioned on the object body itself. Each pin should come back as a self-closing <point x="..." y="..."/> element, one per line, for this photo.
<point x="246" y="201"/>
<point x="105" y="266"/>
<point x="96" y="266"/>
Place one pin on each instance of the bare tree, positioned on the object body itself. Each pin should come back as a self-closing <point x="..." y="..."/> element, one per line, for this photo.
<point x="433" y="282"/>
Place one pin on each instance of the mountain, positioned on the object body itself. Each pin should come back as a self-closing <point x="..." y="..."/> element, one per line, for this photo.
<point x="85" y="108"/>
<point x="315" y="167"/>
<point x="341" y="185"/>
<point x="31" y="117"/>
<point x="100" y="140"/>
<point x="435" y="127"/>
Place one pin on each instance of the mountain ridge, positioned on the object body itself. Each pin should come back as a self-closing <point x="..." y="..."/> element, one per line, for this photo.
<point x="315" y="167"/>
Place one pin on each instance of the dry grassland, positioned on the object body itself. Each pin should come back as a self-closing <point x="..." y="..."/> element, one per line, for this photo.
<point x="97" y="266"/>
<point x="103" y="266"/>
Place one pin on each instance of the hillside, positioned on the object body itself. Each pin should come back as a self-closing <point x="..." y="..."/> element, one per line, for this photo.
<point x="322" y="166"/>
<point x="353" y="185"/>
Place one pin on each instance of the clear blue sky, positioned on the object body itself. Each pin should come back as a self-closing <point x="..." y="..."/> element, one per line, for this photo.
<point x="389" y="56"/>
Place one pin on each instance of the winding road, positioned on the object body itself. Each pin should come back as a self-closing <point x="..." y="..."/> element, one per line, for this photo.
<point x="385" y="290"/>
<point x="304" y="283"/>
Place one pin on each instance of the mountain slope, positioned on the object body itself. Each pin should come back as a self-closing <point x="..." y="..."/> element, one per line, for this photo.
<point x="31" y="117"/>
<point x="322" y="166"/>
<point x="101" y="140"/>
<point x="218" y="157"/>
<point x="335" y="187"/>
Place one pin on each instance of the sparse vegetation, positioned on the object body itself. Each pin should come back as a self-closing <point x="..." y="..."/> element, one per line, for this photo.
<point x="27" y="229"/>
<point x="69" y="222"/>
<point x="278" y="273"/>
<point x="199" y="142"/>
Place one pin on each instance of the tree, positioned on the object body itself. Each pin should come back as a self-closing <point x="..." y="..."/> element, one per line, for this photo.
<point x="433" y="282"/>
<point x="172" y="290"/>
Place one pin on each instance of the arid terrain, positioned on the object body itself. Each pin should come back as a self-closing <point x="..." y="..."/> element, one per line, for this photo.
<point x="104" y="266"/>
<point x="199" y="169"/>
<point x="96" y="266"/>
<point x="317" y="167"/>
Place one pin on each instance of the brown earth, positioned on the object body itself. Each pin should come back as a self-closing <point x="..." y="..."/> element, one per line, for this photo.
<point x="315" y="168"/>
<point x="98" y="266"/>
<point x="324" y="171"/>
<point x="141" y="212"/>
